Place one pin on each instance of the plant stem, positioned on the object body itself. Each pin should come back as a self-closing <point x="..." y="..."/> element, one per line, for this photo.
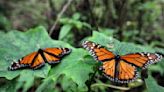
<point x="111" y="86"/>
<point x="90" y="81"/>
<point x="92" y="78"/>
<point x="59" y="16"/>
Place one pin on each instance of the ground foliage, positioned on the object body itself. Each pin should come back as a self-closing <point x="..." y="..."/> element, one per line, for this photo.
<point x="121" y="26"/>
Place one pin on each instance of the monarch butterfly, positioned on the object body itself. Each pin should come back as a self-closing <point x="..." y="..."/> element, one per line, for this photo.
<point x="121" y="69"/>
<point x="37" y="59"/>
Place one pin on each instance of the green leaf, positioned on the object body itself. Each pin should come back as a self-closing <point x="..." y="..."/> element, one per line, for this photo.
<point x="7" y="86"/>
<point x="14" y="45"/>
<point x="74" y="23"/>
<point x="152" y="86"/>
<point x="64" y="31"/>
<point x="80" y="68"/>
<point x="4" y="22"/>
<point x="107" y="31"/>
<point x="76" y="16"/>
<point x="23" y="79"/>
<point x="116" y="46"/>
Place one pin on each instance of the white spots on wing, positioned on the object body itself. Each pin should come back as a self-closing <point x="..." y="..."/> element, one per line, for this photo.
<point x="150" y="57"/>
<point x="152" y="60"/>
<point x="148" y="54"/>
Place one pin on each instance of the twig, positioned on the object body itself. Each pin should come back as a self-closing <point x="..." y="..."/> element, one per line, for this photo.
<point x="111" y="86"/>
<point x="59" y="16"/>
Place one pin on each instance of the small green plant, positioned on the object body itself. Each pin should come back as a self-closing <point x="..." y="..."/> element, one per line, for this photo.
<point x="74" y="71"/>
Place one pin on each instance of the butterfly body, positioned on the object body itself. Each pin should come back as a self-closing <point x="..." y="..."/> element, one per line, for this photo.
<point x="117" y="61"/>
<point x="120" y="68"/>
<point x="37" y="59"/>
<point x="117" y="57"/>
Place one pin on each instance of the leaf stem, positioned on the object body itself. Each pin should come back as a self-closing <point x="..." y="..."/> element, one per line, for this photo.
<point x="111" y="86"/>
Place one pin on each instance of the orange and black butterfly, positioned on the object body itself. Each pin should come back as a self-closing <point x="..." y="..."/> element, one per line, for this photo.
<point x="37" y="59"/>
<point x="121" y="69"/>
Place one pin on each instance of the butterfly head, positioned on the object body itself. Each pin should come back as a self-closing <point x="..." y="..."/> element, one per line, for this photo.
<point x="66" y="50"/>
<point x="13" y="66"/>
<point x="16" y="65"/>
<point x="89" y="45"/>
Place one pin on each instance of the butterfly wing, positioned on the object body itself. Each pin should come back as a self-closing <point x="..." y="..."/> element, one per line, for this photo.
<point x="33" y="60"/>
<point x="141" y="60"/>
<point x="119" y="71"/>
<point x="122" y="70"/>
<point x="108" y="69"/>
<point x="54" y="55"/>
<point x="98" y="52"/>
<point x="127" y="72"/>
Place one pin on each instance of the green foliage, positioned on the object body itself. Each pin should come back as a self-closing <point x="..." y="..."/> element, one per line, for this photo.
<point x="4" y="23"/>
<point x="18" y="45"/>
<point x="64" y="31"/>
<point x="7" y="86"/>
<point x="69" y="23"/>
<point x="153" y="10"/>
<point x="116" y="24"/>
<point x="74" y="68"/>
<point x="123" y="48"/>
<point x="74" y="21"/>
<point x="15" y="45"/>
<point x="70" y="27"/>
<point x="152" y="86"/>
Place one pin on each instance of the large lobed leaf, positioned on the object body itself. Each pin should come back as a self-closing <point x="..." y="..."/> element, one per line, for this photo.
<point x="15" y="44"/>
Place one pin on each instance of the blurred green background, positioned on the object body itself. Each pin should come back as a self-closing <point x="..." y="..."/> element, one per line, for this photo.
<point x="127" y="25"/>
